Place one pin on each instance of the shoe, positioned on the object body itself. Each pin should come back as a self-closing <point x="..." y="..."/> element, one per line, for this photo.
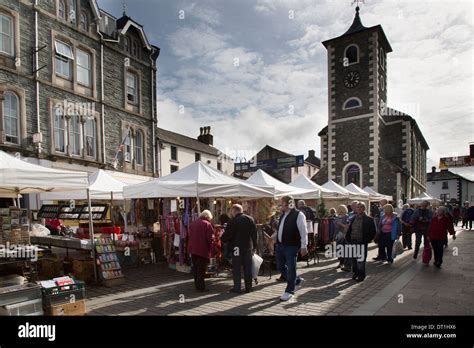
<point x="415" y="256"/>
<point x="345" y="269"/>
<point x="377" y="258"/>
<point x="360" y="279"/>
<point x="248" y="290"/>
<point x="339" y="266"/>
<point x="235" y="291"/>
<point x="390" y="261"/>
<point x="286" y="297"/>
<point x="300" y="284"/>
<point x="437" y="264"/>
<point x="354" y="276"/>
<point x="281" y="279"/>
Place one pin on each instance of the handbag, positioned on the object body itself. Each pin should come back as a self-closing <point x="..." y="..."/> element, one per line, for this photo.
<point x="426" y="254"/>
<point x="340" y="238"/>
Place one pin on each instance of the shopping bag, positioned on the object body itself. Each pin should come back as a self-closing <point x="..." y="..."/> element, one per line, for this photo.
<point x="256" y="263"/>
<point x="426" y="254"/>
<point x="397" y="248"/>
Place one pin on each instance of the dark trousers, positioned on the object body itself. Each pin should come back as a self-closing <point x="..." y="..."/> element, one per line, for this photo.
<point x="406" y="236"/>
<point x="385" y="246"/>
<point x="438" y="248"/>
<point x="199" y="270"/>
<point x="358" y="265"/>
<point x="419" y="235"/>
<point x="243" y="259"/>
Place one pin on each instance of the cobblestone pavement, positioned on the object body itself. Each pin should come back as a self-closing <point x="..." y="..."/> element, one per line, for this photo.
<point x="156" y="290"/>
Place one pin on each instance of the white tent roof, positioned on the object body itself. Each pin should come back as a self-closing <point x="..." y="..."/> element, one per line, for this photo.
<point x="332" y="186"/>
<point x="127" y="178"/>
<point x="305" y="183"/>
<point x="102" y="185"/>
<point x="17" y="176"/>
<point x="280" y="188"/>
<point x="374" y="195"/>
<point x="356" y="190"/>
<point x="197" y="179"/>
<point x="423" y="197"/>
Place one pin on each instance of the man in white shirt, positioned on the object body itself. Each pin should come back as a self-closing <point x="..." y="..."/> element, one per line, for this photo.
<point x="292" y="237"/>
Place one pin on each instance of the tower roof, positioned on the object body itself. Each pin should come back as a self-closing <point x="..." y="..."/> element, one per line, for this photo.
<point x="358" y="27"/>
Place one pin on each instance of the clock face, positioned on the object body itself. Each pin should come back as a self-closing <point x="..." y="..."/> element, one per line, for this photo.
<point x="352" y="79"/>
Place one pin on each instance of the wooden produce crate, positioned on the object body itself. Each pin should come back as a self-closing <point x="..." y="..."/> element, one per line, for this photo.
<point x="77" y="308"/>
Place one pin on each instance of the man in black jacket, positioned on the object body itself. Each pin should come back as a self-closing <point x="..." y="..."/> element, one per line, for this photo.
<point x="361" y="232"/>
<point x="241" y="233"/>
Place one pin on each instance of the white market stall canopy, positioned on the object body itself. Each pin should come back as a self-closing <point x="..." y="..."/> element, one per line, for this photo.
<point x="17" y="176"/>
<point x="357" y="191"/>
<point x="102" y="186"/>
<point x="332" y="186"/>
<point x="306" y="183"/>
<point x="423" y="198"/>
<point x="196" y="180"/>
<point x="280" y="188"/>
<point x="375" y="196"/>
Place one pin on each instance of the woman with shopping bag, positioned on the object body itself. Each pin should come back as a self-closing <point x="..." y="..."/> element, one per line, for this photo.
<point x="390" y="228"/>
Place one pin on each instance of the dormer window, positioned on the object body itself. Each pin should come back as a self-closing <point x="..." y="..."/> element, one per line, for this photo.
<point x="351" y="54"/>
<point x="62" y="9"/>
<point x="126" y="44"/>
<point x="84" y="23"/>
<point x="135" y="48"/>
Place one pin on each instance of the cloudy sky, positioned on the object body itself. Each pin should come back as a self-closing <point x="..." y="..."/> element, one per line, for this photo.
<point x="256" y="71"/>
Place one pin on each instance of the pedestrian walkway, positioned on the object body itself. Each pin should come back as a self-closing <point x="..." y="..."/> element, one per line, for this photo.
<point x="156" y="290"/>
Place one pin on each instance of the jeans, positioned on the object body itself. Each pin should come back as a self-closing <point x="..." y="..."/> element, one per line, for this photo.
<point x="419" y="235"/>
<point x="199" y="271"/>
<point x="438" y="248"/>
<point x="385" y="246"/>
<point x="358" y="267"/>
<point x="243" y="259"/>
<point x="406" y="236"/>
<point x="286" y="261"/>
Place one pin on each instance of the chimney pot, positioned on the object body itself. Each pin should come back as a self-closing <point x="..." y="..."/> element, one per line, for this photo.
<point x="433" y="169"/>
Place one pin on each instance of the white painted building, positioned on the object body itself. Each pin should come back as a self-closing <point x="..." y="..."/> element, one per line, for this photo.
<point x="453" y="184"/>
<point x="176" y="151"/>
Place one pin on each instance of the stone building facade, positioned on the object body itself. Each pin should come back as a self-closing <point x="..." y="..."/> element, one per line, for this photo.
<point x="366" y="142"/>
<point x="77" y="86"/>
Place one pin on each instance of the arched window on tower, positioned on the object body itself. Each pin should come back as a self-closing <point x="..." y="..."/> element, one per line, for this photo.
<point x="352" y="103"/>
<point x="352" y="54"/>
<point x="352" y="175"/>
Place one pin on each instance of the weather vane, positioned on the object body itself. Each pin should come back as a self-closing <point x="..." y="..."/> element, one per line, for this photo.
<point x="124" y="5"/>
<point x="357" y="2"/>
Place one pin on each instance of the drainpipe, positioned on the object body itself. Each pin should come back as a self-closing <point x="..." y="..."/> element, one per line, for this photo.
<point x="104" y="153"/>
<point x="153" y="112"/>
<point x="38" y="122"/>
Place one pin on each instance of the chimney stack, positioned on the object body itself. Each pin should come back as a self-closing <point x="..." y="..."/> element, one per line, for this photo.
<point x="205" y="136"/>
<point x="312" y="153"/>
<point x="471" y="150"/>
<point x="433" y="169"/>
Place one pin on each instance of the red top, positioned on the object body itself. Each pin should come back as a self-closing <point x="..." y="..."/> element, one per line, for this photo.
<point x="200" y="237"/>
<point x="439" y="228"/>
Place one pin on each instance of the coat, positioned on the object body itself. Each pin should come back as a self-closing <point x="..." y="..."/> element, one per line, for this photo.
<point x="396" y="226"/>
<point x="368" y="230"/>
<point x="241" y="232"/>
<point x="439" y="228"/>
<point x="200" y="238"/>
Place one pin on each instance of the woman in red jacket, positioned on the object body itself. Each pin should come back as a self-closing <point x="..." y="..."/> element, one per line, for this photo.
<point x="438" y="232"/>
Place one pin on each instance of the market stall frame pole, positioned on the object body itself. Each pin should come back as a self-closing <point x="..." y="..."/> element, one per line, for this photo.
<point x="198" y="200"/>
<point x="91" y="233"/>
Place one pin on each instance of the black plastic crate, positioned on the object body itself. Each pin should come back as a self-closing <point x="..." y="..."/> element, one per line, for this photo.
<point x="63" y="294"/>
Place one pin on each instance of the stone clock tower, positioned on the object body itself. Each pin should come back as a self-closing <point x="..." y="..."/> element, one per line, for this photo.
<point x="353" y="144"/>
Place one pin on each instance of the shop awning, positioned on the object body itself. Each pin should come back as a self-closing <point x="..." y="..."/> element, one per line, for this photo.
<point x="423" y="198"/>
<point x="280" y="188"/>
<point x="196" y="180"/>
<point x="103" y="186"/>
<point x="375" y="196"/>
<point x="17" y="176"/>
